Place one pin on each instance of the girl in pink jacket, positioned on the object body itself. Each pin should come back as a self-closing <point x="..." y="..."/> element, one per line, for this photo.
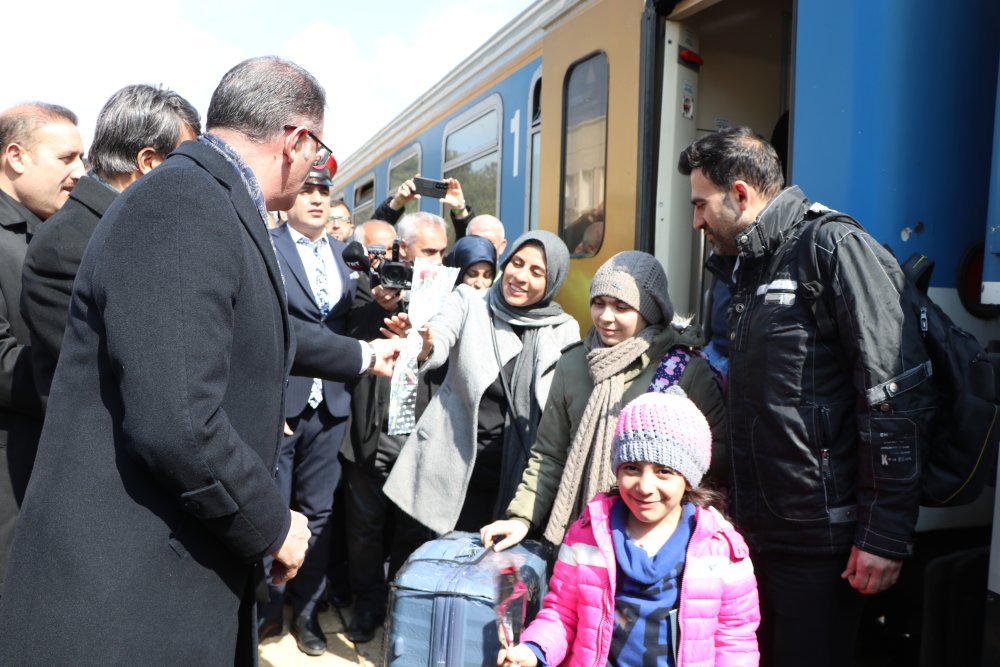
<point x="651" y="574"/>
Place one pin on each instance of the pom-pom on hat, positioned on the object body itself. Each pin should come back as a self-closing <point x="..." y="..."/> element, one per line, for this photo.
<point x="664" y="428"/>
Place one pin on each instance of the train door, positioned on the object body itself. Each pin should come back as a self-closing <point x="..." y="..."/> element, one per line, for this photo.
<point x="724" y="63"/>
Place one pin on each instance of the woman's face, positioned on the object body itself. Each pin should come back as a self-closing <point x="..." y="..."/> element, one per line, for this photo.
<point x="614" y="320"/>
<point x="524" y="278"/>
<point x="479" y="275"/>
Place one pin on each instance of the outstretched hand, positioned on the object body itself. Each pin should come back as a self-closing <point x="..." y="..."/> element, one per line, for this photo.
<point x="396" y="326"/>
<point x="386" y="352"/>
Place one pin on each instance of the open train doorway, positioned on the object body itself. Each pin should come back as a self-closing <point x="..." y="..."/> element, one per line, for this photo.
<point x="724" y="63"/>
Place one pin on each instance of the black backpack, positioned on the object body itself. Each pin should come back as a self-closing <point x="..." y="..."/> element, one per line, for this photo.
<point x="962" y="452"/>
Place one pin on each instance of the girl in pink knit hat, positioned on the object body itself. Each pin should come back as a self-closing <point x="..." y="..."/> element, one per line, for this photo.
<point x="651" y="573"/>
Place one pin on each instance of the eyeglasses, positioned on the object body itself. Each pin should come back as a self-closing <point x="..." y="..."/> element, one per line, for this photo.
<point x="324" y="154"/>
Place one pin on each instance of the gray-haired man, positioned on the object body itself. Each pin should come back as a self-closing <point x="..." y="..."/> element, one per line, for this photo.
<point x="152" y="500"/>
<point x="137" y="128"/>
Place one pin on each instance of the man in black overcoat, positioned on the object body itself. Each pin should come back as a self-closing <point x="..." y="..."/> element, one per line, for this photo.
<point x="153" y="500"/>
<point x="137" y="128"/>
<point x="40" y="163"/>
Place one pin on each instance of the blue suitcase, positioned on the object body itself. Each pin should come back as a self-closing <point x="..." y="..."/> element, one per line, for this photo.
<point x="441" y="605"/>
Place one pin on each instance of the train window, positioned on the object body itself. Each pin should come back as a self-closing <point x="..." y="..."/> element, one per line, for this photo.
<point x="534" y="146"/>
<point x="364" y="200"/>
<point x="584" y="155"/>
<point x="477" y="135"/>
<point x="472" y="154"/>
<point x="402" y="167"/>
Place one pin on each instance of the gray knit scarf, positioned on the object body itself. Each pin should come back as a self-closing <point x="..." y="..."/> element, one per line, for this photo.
<point x="588" y="461"/>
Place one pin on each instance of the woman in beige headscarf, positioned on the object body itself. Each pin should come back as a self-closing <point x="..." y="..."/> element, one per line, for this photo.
<point x="637" y="344"/>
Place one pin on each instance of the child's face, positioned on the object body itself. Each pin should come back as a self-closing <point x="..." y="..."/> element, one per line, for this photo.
<point x="652" y="492"/>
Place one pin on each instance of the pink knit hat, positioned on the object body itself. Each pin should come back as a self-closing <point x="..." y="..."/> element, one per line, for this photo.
<point x="667" y="429"/>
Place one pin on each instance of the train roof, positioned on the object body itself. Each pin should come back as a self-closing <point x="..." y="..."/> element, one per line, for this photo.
<point x="509" y="43"/>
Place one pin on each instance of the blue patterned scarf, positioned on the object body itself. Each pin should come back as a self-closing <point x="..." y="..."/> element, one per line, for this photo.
<point x="241" y="167"/>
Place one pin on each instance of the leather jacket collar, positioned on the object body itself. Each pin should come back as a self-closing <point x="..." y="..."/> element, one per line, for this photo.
<point x="765" y="234"/>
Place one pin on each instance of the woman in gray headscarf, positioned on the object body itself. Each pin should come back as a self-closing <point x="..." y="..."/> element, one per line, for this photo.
<point x="461" y="465"/>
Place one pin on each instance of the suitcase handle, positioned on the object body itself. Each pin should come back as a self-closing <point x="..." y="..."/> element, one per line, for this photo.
<point x="482" y="554"/>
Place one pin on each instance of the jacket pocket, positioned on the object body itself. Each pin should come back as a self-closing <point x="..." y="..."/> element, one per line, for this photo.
<point x="894" y="448"/>
<point x="787" y="465"/>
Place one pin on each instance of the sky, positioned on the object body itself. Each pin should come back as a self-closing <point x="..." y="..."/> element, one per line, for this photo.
<point x="373" y="57"/>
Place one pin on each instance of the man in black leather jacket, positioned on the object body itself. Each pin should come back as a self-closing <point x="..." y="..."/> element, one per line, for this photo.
<point x="827" y="432"/>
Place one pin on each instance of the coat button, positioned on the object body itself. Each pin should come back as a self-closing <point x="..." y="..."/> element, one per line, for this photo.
<point x="732" y="336"/>
<point x="884" y="407"/>
<point x="740" y="308"/>
<point x="893" y="387"/>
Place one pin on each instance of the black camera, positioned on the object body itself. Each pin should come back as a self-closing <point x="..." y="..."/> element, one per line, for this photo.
<point x="388" y="272"/>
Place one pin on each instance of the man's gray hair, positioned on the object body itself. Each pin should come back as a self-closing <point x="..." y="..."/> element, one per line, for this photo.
<point x="408" y="228"/>
<point x="260" y="96"/>
<point x="19" y="123"/>
<point x="137" y="117"/>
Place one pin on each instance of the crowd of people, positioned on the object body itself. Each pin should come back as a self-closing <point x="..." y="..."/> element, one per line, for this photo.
<point x="195" y="395"/>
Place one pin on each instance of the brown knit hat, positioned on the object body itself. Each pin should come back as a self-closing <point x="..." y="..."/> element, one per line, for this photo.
<point x="638" y="279"/>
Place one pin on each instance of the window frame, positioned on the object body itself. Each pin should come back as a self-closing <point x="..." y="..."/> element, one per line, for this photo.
<point x="463" y="120"/>
<point x="358" y="185"/>
<point x="534" y="128"/>
<point x="564" y="133"/>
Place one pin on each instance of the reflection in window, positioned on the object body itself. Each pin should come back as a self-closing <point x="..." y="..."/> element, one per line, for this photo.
<point x="536" y="156"/>
<point x="535" y="146"/>
<point x="585" y="155"/>
<point x="364" y="202"/>
<point x="478" y="135"/>
<point x="472" y="155"/>
<point x="479" y="182"/>
<point x="400" y="172"/>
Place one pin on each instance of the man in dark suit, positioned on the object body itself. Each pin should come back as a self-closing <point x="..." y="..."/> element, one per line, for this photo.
<point x="152" y="500"/>
<point x="137" y="128"/>
<point x="320" y="289"/>
<point x="371" y="452"/>
<point x="40" y="162"/>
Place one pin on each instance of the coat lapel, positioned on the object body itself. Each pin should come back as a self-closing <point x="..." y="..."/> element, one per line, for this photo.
<point x="249" y="217"/>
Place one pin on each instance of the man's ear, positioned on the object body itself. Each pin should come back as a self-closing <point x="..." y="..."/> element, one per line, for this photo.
<point x="293" y="144"/>
<point x="148" y="159"/>
<point x="14" y="155"/>
<point x="742" y="192"/>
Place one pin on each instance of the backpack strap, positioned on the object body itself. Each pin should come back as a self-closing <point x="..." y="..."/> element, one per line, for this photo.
<point x="673" y="365"/>
<point x="918" y="269"/>
<point x="671" y="368"/>
<point x="809" y="276"/>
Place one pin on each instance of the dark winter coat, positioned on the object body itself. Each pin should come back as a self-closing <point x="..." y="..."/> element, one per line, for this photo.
<point x="152" y="498"/>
